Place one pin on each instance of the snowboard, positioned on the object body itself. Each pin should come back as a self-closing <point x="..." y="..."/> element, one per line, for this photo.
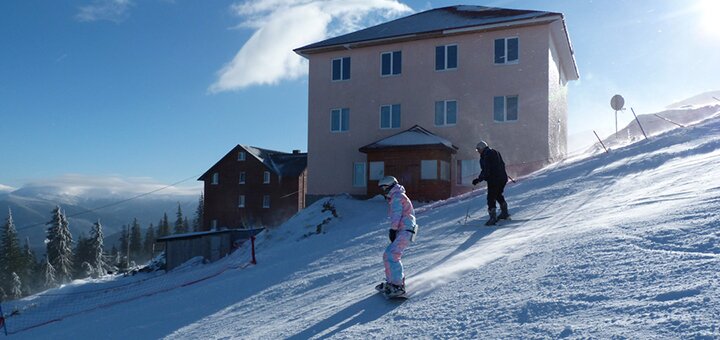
<point x="397" y="297"/>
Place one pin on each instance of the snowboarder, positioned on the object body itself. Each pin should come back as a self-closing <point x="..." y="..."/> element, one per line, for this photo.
<point x="492" y="170"/>
<point x="402" y="231"/>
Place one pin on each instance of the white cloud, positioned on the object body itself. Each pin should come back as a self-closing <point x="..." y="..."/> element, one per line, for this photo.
<point x="105" y="186"/>
<point x="283" y="25"/>
<point x="5" y="188"/>
<point x="110" y="10"/>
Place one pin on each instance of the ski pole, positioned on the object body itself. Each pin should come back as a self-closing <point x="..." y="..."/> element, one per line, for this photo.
<point x="511" y="179"/>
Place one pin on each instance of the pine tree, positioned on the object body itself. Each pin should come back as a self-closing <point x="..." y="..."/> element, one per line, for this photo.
<point x="136" y="241"/>
<point x="97" y="261"/>
<point x="31" y="272"/>
<point x="198" y="220"/>
<point x="82" y="254"/>
<point x="164" y="227"/>
<point x="16" y="290"/>
<point x="124" y="251"/>
<point x="59" y="246"/>
<point x="49" y="274"/>
<point x="179" y="222"/>
<point x="11" y="259"/>
<point x="149" y="241"/>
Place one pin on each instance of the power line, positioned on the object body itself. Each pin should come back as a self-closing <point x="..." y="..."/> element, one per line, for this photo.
<point x="113" y="203"/>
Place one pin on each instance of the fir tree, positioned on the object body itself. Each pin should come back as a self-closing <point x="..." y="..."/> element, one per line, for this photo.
<point x="136" y="241"/>
<point x="11" y="259"/>
<point x="180" y="227"/>
<point x="59" y="246"/>
<point x="16" y="289"/>
<point x="164" y="227"/>
<point x="82" y="254"/>
<point x="49" y="274"/>
<point x="149" y="241"/>
<point x="124" y="251"/>
<point x="97" y="261"/>
<point x="198" y="220"/>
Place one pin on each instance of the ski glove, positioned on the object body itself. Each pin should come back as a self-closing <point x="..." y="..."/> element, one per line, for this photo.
<point x="392" y="235"/>
<point x="476" y="181"/>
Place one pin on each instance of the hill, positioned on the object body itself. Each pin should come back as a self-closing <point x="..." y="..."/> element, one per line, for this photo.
<point x="623" y="244"/>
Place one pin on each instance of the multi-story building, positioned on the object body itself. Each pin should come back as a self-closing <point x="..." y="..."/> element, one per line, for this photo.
<point x="460" y="74"/>
<point x="253" y="187"/>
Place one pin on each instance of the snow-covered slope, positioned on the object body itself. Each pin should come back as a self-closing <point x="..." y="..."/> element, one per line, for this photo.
<point x="623" y="244"/>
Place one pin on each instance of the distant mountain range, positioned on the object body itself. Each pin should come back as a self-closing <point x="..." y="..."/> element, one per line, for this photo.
<point x="32" y="207"/>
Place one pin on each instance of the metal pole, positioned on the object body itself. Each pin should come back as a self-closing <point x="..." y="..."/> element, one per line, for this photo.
<point x="600" y="140"/>
<point x="638" y="121"/>
<point x="669" y="121"/>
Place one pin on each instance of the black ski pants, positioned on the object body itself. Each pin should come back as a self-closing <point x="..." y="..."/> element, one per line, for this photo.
<point x="495" y="194"/>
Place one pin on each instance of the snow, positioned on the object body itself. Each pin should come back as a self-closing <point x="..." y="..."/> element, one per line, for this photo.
<point x="624" y="244"/>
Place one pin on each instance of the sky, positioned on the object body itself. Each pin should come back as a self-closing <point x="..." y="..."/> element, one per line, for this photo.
<point x="634" y="253"/>
<point x="159" y="90"/>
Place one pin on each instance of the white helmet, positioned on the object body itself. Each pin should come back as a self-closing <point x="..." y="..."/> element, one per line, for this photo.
<point x="387" y="182"/>
<point x="481" y="145"/>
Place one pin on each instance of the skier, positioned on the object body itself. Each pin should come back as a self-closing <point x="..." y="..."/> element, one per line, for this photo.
<point x="492" y="170"/>
<point x="402" y="232"/>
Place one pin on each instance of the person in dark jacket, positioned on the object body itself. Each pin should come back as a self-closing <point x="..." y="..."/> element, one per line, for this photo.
<point x="492" y="170"/>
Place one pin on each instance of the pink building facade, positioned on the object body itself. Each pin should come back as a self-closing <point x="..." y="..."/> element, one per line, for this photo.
<point x="463" y="73"/>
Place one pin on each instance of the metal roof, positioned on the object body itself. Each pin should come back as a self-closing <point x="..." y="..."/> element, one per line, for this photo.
<point x="432" y="21"/>
<point x="412" y="137"/>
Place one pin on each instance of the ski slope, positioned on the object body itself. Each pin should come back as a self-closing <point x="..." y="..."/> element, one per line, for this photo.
<point x="624" y="244"/>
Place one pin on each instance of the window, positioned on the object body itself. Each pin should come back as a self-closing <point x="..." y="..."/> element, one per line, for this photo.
<point x="340" y="120"/>
<point x="359" y="175"/>
<point x="445" y="112"/>
<point x="213" y="225"/>
<point x="428" y="169"/>
<point x="266" y="177"/>
<point x="390" y="116"/>
<point x="446" y="57"/>
<point x="242" y="177"/>
<point x="241" y="156"/>
<point x="241" y="201"/>
<point x="266" y="201"/>
<point x="505" y="108"/>
<point x="377" y="171"/>
<point x="341" y="69"/>
<point x="467" y="170"/>
<point x="507" y="50"/>
<point x="215" y="178"/>
<point x="444" y="171"/>
<point x="391" y="63"/>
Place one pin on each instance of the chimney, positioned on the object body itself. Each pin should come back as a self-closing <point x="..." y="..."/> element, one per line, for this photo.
<point x="295" y="152"/>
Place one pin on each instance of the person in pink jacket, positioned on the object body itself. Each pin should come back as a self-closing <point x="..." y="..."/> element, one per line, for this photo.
<point x="402" y="232"/>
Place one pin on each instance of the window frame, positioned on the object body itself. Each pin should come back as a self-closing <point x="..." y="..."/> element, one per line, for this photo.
<point x="344" y="68"/>
<point x="359" y="182"/>
<point x="266" y="202"/>
<point x="266" y="177"/>
<point x="242" y="178"/>
<point x="241" y="156"/>
<point x="241" y="201"/>
<point x="392" y="113"/>
<point x="505" y="109"/>
<point x="215" y="178"/>
<point x="506" y="50"/>
<point x="376" y="167"/>
<point x="445" y="60"/>
<point x="343" y="123"/>
<point x="445" y="113"/>
<point x="395" y="63"/>
<point x="425" y="172"/>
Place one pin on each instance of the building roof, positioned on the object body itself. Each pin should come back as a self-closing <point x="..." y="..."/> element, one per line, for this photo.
<point x="415" y="136"/>
<point x="432" y="21"/>
<point x="198" y="234"/>
<point x="281" y="163"/>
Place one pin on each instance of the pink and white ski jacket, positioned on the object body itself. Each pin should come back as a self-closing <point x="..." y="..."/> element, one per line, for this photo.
<point x="401" y="211"/>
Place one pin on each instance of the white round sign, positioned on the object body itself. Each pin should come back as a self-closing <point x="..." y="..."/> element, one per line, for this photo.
<point x="617" y="102"/>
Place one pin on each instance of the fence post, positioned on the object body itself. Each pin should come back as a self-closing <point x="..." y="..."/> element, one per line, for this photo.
<point x="638" y="120"/>
<point x="2" y="320"/>
<point x="252" y="245"/>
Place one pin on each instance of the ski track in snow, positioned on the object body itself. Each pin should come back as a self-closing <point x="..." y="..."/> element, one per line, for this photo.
<point x="618" y="245"/>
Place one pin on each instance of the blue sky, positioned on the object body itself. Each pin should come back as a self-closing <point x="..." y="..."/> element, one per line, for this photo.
<point x="159" y="90"/>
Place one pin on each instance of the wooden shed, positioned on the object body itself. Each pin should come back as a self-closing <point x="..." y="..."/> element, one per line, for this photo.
<point x="211" y="245"/>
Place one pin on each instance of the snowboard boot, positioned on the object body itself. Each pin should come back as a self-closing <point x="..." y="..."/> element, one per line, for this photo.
<point x="504" y="214"/>
<point x="395" y="290"/>
<point x="383" y="287"/>
<point x="493" y="218"/>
